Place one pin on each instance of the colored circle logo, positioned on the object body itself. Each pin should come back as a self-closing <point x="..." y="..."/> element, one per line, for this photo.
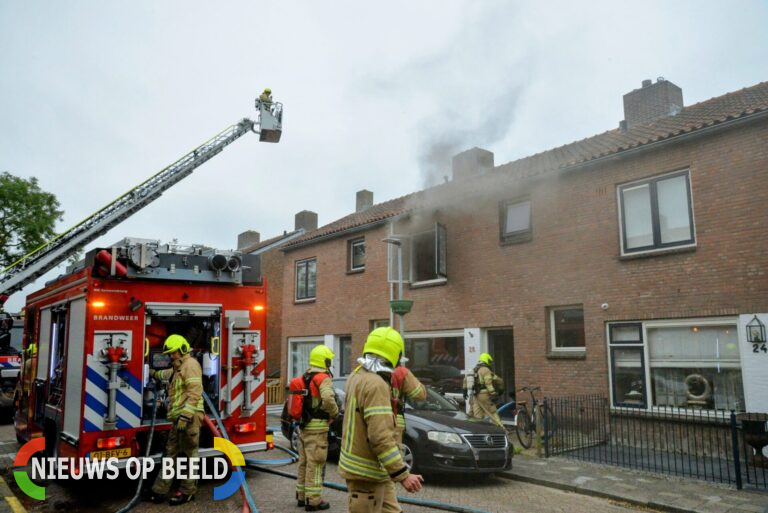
<point x="22" y="478"/>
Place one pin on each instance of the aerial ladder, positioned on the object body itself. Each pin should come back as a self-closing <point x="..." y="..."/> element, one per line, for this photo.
<point x="31" y="266"/>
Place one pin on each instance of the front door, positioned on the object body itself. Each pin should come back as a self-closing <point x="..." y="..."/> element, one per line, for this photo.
<point x="501" y="349"/>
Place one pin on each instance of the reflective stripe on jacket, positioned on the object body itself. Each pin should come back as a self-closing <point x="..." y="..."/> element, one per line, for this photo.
<point x="185" y="393"/>
<point x="323" y="399"/>
<point x="411" y="388"/>
<point x="369" y="450"/>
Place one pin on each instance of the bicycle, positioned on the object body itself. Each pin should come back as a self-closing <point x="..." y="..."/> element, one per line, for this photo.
<point x="525" y="421"/>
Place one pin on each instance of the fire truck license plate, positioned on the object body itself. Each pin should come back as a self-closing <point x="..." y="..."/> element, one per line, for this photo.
<point x="125" y="452"/>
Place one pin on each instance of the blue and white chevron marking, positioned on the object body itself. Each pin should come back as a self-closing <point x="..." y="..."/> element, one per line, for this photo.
<point x="97" y="397"/>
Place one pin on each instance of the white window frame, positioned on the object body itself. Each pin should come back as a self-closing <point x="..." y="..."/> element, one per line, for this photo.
<point x="292" y="373"/>
<point x="522" y="235"/>
<point x="657" y="245"/>
<point x="552" y="331"/>
<point x="306" y="262"/>
<point x="666" y="323"/>
<point x="352" y="244"/>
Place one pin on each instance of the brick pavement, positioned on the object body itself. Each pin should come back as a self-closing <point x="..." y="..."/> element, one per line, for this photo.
<point x="664" y="493"/>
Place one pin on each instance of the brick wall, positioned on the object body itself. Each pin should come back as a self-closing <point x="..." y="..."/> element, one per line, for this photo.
<point x="573" y="258"/>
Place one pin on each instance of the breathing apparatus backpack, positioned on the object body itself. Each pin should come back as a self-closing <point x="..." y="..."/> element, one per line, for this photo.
<point x="301" y="390"/>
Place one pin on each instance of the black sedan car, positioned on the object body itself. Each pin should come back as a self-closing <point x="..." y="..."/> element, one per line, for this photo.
<point x="439" y="437"/>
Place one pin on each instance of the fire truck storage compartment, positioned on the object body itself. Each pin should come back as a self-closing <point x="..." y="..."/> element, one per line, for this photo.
<point x="200" y="324"/>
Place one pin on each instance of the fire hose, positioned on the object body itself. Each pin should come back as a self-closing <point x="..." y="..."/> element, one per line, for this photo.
<point x="245" y="491"/>
<point x="254" y="464"/>
<point x="137" y="497"/>
<point x="405" y="500"/>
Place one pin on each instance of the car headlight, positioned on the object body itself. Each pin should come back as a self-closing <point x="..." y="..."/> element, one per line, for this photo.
<point x="442" y="437"/>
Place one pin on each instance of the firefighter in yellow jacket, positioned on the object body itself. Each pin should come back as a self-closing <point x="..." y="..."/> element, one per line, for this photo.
<point x="313" y="438"/>
<point x="185" y="411"/>
<point x="370" y="457"/>
<point x="404" y="384"/>
<point x="485" y="390"/>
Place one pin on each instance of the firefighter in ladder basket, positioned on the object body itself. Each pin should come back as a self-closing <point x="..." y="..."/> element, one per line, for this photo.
<point x="185" y="411"/>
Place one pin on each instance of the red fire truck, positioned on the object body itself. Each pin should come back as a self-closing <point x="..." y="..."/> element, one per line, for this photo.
<point x="100" y="328"/>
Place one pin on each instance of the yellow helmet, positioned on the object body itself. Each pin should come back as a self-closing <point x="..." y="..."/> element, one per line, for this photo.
<point x="176" y="343"/>
<point x="268" y="90"/>
<point x="387" y="343"/>
<point x="32" y="349"/>
<point x="321" y="356"/>
<point x="485" y="358"/>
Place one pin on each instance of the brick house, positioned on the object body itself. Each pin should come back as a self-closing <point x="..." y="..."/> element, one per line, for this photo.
<point x="631" y="263"/>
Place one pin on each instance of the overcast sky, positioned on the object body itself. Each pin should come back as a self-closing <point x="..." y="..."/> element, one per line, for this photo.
<point x="97" y="96"/>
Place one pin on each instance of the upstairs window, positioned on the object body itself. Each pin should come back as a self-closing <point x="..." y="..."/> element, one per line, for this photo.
<point x="306" y="279"/>
<point x="656" y="214"/>
<point x="515" y="221"/>
<point x="424" y="256"/>
<point x="356" y="255"/>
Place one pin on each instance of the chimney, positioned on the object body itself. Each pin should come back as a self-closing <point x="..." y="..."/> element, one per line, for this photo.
<point x="363" y="200"/>
<point x="651" y="102"/>
<point x="247" y="239"/>
<point x="472" y="163"/>
<point x="306" y="220"/>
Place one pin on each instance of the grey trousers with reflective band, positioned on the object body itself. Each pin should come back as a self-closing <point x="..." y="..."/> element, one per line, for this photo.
<point x="181" y="444"/>
<point x="365" y="496"/>
<point x="313" y="452"/>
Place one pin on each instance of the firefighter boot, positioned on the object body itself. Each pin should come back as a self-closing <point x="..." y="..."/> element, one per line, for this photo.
<point x="319" y="507"/>
<point x="180" y="498"/>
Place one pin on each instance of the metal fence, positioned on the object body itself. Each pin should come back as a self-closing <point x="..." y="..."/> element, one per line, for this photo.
<point x="700" y="444"/>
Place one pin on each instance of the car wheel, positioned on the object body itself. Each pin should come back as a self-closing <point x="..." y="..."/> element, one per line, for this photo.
<point x="408" y="457"/>
<point x="295" y="439"/>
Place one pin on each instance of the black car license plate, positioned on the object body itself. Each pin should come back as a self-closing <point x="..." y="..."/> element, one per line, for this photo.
<point x="491" y="456"/>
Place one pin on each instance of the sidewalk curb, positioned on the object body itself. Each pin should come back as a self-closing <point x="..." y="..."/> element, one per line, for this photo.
<point x="594" y="493"/>
<point x="9" y="504"/>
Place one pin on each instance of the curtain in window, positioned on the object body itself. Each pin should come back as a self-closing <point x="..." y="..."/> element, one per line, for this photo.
<point x="637" y="216"/>
<point x="696" y="367"/>
<point x="299" y="357"/>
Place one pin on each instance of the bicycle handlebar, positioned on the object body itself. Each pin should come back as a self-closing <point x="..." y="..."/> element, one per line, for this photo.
<point x="530" y="389"/>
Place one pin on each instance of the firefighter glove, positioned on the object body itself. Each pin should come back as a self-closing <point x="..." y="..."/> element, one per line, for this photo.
<point x="182" y="423"/>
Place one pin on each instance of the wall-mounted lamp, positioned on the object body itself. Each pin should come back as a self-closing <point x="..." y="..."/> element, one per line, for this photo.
<point x="755" y="331"/>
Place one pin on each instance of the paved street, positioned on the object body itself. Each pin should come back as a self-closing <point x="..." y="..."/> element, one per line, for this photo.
<point x="274" y="494"/>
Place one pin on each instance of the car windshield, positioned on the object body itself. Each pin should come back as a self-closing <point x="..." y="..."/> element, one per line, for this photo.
<point x="434" y="402"/>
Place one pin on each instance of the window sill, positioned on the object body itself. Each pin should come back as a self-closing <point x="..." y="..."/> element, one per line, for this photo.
<point x="567" y="355"/>
<point x="429" y="283"/>
<point x="356" y="271"/>
<point x="304" y="301"/>
<point x="511" y="240"/>
<point x="658" y="252"/>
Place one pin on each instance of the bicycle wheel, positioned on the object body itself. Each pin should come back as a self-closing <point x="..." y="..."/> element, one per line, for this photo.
<point x="524" y="428"/>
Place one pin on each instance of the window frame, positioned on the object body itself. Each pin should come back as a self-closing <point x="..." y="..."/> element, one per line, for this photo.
<point x="663" y="323"/>
<point x="517" y="236"/>
<point x="440" y="248"/>
<point x="351" y="255"/>
<point x="636" y="345"/>
<point x="657" y="245"/>
<point x="290" y="371"/>
<point x="552" y="345"/>
<point x="299" y="263"/>
<point x="342" y="341"/>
